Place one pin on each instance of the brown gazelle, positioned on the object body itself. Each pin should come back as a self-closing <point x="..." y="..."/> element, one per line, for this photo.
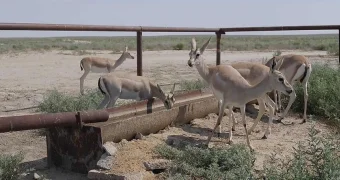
<point x="295" y="68"/>
<point x="231" y="89"/>
<point x="100" y="65"/>
<point x="129" y="86"/>
<point x="253" y="73"/>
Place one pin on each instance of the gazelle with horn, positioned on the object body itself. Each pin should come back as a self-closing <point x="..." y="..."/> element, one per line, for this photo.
<point x="100" y="65"/>
<point x="253" y="73"/>
<point x="231" y="89"/>
<point x="129" y="86"/>
<point x="296" y="68"/>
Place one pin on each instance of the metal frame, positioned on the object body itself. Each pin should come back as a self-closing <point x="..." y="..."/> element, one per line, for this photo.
<point x="139" y="30"/>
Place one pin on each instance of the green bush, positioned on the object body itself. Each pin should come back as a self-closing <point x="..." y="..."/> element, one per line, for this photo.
<point x="9" y="166"/>
<point x="61" y="102"/>
<point x="324" y="94"/>
<point x="318" y="159"/>
<point x="179" y="46"/>
<point x="189" y="85"/>
<point x="190" y="162"/>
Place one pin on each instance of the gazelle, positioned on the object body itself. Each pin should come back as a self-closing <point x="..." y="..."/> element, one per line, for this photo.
<point x="295" y="68"/>
<point x="253" y="73"/>
<point x="101" y="65"/>
<point x="129" y="86"/>
<point x="231" y="89"/>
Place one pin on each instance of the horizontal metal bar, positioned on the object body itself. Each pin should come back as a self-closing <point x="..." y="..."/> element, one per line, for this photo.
<point x="80" y="27"/>
<point x="281" y="28"/>
<point x="37" y="121"/>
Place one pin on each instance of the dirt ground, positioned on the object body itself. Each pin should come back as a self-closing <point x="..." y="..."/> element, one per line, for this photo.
<point x="26" y="77"/>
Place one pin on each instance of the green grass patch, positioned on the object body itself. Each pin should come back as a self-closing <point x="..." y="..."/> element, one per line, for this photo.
<point x="56" y="101"/>
<point x="326" y="42"/>
<point x="189" y="85"/>
<point x="189" y="162"/>
<point x="324" y="94"/>
<point x="318" y="159"/>
<point x="9" y="166"/>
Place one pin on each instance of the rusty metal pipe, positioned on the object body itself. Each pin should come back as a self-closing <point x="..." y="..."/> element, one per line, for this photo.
<point x="281" y="28"/>
<point x="339" y="44"/>
<point x="37" y="121"/>
<point x="80" y="27"/>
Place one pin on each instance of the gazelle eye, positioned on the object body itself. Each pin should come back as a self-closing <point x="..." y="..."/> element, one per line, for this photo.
<point x="281" y="79"/>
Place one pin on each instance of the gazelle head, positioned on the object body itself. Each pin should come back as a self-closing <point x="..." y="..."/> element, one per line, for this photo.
<point x="278" y="80"/>
<point x="194" y="50"/>
<point x="127" y="54"/>
<point x="168" y="99"/>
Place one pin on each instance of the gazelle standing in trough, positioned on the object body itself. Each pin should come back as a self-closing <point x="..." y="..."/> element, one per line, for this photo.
<point x="296" y="68"/>
<point x="101" y="65"/>
<point x="231" y="89"/>
<point x="129" y="86"/>
<point x="253" y="73"/>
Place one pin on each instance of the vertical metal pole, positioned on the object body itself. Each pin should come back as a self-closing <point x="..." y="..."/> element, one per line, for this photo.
<point x="139" y="54"/>
<point x="218" y="48"/>
<point x="339" y="45"/>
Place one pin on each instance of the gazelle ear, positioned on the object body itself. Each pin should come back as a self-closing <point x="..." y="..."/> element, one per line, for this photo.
<point x="272" y="67"/>
<point x="202" y="49"/>
<point x="193" y="44"/>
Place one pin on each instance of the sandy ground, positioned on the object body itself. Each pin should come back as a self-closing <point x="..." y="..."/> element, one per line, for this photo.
<point x="26" y="77"/>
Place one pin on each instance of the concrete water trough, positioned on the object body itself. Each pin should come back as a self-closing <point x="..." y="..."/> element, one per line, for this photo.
<point x="79" y="149"/>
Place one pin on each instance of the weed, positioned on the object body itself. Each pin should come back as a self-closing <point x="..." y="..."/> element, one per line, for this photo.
<point x="56" y="101"/>
<point x="9" y="166"/>
<point x="189" y="85"/>
<point x="323" y="94"/>
<point x="189" y="162"/>
<point x="318" y="159"/>
<point x="179" y="46"/>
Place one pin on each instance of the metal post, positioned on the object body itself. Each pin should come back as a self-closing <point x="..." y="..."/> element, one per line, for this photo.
<point x="218" y="48"/>
<point x="139" y="54"/>
<point x="339" y="45"/>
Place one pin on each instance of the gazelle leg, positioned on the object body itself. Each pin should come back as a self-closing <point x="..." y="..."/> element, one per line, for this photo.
<point x="292" y="98"/>
<point x="275" y="99"/>
<point x="259" y="115"/>
<point x="305" y="92"/>
<point x="219" y="119"/>
<point x="113" y="101"/>
<point x="271" y="107"/>
<point x="104" y="101"/>
<point x="243" y="112"/>
<point x="279" y="101"/>
<point x="82" y="78"/>
<point x="233" y="117"/>
<point x="231" y="125"/>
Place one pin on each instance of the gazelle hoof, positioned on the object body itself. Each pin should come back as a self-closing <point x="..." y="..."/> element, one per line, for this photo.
<point x="218" y="134"/>
<point x="303" y="121"/>
<point x="233" y="129"/>
<point x="264" y="137"/>
<point x="230" y="142"/>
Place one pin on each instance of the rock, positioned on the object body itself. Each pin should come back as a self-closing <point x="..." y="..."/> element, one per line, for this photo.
<point x="123" y="142"/>
<point x="110" y="148"/>
<point x="157" y="164"/>
<point x="139" y="136"/>
<point x="36" y="176"/>
<point x="105" y="161"/>
<point x="95" y="174"/>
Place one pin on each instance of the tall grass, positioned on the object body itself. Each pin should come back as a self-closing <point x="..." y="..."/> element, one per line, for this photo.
<point x="56" y="101"/>
<point x="328" y="42"/>
<point x="9" y="166"/>
<point x="318" y="159"/>
<point x="323" y="94"/>
<point x="189" y="162"/>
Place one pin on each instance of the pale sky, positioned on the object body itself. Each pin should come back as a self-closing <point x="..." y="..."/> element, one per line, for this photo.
<point x="179" y="13"/>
